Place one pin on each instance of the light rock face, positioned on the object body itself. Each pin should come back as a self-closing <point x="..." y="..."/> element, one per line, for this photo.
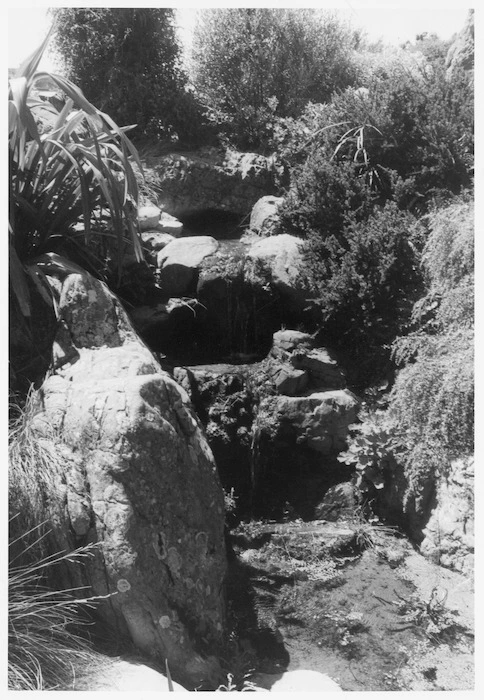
<point x="296" y="681"/>
<point x="449" y="534"/>
<point x="279" y="261"/>
<point x="114" y="675"/>
<point x="264" y="216"/>
<point x="148" y="217"/>
<point x="228" y="181"/>
<point x="139" y="479"/>
<point x="178" y="263"/>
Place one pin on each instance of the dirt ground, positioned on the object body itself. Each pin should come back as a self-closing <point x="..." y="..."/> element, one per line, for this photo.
<point x="352" y="601"/>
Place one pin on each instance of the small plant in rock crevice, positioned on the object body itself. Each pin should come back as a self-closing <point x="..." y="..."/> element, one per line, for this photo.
<point x="373" y="451"/>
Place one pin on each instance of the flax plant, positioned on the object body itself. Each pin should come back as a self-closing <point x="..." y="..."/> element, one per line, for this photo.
<point x="73" y="180"/>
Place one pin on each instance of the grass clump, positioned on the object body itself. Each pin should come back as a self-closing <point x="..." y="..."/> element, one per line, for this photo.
<point x="45" y="643"/>
<point x="47" y="637"/>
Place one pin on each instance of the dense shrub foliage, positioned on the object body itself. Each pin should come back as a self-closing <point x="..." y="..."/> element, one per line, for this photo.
<point x="410" y="132"/>
<point x="253" y="65"/>
<point x="433" y="399"/>
<point x="127" y="62"/>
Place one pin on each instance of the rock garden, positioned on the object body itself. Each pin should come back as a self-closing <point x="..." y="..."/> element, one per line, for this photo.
<point x="241" y="434"/>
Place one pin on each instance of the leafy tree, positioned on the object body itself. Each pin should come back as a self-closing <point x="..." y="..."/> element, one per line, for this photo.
<point x="127" y="61"/>
<point x="252" y="65"/>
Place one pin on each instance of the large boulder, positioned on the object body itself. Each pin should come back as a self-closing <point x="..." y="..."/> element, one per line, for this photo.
<point x="223" y="181"/>
<point x="138" y="478"/>
<point x="178" y="263"/>
<point x="264" y="215"/>
<point x="296" y="440"/>
<point x="279" y="261"/>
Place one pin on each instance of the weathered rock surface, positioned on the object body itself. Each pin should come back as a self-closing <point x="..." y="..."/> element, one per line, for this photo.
<point x="179" y="261"/>
<point x="264" y="215"/>
<point x="148" y="217"/>
<point x="449" y="533"/>
<point x="319" y="421"/>
<point x="116" y="674"/>
<point x="339" y="502"/>
<point x="168" y="327"/>
<point x="138" y="478"/>
<point x="279" y="260"/>
<point x="196" y="182"/>
<point x="267" y="426"/>
<point x="170" y="224"/>
<point x="298" y="681"/>
<point x="154" y="240"/>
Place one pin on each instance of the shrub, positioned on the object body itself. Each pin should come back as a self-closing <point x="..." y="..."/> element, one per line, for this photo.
<point x="408" y="129"/>
<point x="324" y="196"/>
<point x="362" y="261"/>
<point x="68" y="183"/>
<point x="433" y="397"/>
<point x="253" y="65"/>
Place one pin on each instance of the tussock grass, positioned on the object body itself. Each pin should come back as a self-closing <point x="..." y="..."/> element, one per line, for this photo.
<point x="45" y="644"/>
<point x="47" y="637"/>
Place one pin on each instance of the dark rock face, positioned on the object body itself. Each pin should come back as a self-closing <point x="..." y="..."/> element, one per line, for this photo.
<point x="139" y="478"/>
<point x="275" y="436"/>
<point x="228" y="181"/>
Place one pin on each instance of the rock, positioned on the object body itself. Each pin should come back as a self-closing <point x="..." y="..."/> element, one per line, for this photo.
<point x="289" y="381"/>
<point x="295" y="681"/>
<point x="264" y="217"/>
<point x="155" y="240"/>
<point x="138" y="477"/>
<point x="168" y="327"/>
<point x="148" y="217"/>
<point x="449" y="533"/>
<point x="322" y="369"/>
<point x="295" y="436"/>
<point x="285" y="341"/>
<point x="240" y="315"/>
<point x="299" y="350"/>
<point x="178" y="263"/>
<point x="339" y="502"/>
<point x="320" y="420"/>
<point x="225" y="403"/>
<point x="116" y="674"/>
<point x="169" y="224"/>
<point x="278" y="260"/>
<point x="212" y="180"/>
<point x="461" y="52"/>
